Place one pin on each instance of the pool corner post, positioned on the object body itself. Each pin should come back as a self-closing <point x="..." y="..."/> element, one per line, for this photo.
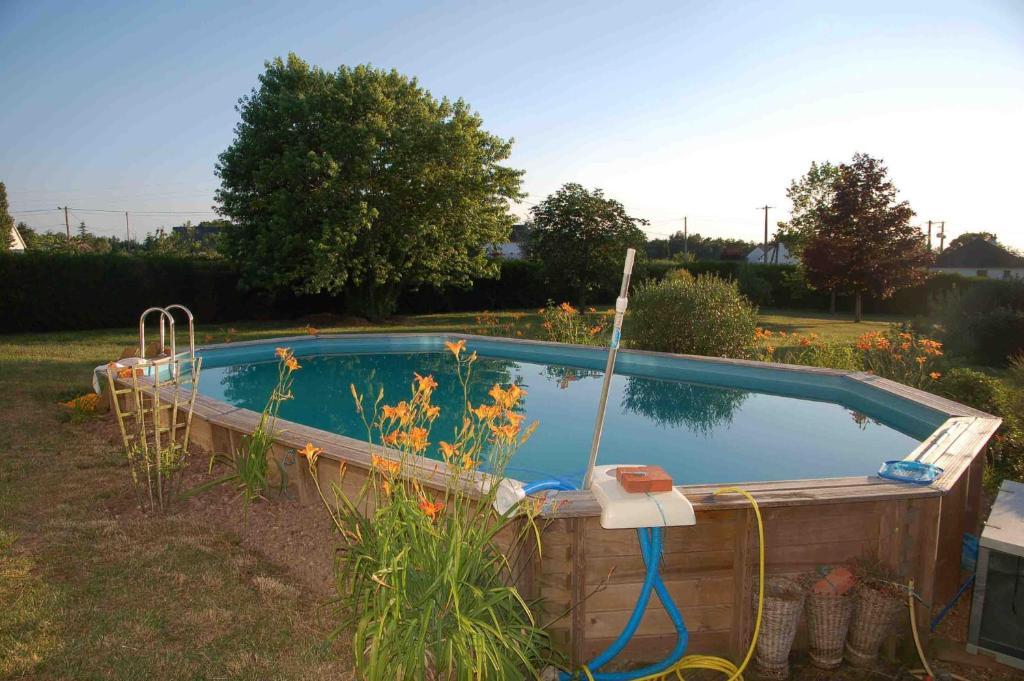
<point x="609" y="369"/>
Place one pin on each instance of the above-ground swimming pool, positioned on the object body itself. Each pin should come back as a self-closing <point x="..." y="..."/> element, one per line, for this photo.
<point x="806" y="442"/>
<point x="703" y="423"/>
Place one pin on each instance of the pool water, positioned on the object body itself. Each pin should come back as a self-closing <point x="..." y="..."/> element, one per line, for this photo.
<point x="698" y="433"/>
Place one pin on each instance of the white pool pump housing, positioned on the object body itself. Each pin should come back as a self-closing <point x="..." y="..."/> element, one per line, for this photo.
<point x="623" y="510"/>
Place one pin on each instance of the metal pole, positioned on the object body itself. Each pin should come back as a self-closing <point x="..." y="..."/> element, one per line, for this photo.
<point x="609" y="369"/>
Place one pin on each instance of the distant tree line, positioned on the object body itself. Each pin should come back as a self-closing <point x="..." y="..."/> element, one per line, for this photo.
<point x="187" y="240"/>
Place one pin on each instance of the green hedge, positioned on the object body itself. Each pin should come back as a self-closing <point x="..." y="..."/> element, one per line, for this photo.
<point x="55" y="291"/>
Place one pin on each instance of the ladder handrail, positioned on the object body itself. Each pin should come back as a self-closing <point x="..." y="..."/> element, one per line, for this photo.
<point x="191" y="326"/>
<point x="142" y="331"/>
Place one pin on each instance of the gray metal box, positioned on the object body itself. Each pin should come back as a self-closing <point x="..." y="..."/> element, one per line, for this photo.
<point x="997" y="609"/>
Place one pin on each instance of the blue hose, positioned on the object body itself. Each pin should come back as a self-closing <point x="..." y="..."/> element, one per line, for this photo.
<point x="544" y="485"/>
<point x="650" y="539"/>
<point x="650" y="548"/>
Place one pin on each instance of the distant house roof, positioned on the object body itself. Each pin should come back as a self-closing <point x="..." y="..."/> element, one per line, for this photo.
<point x="508" y="250"/>
<point x="979" y="254"/>
<point x="778" y="254"/>
<point x="17" y="243"/>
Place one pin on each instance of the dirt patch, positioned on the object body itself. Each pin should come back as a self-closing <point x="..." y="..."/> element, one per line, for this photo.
<point x="295" y="537"/>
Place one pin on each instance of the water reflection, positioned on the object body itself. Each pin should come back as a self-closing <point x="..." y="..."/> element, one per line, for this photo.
<point x="672" y="404"/>
<point x="564" y="376"/>
<point x="323" y="396"/>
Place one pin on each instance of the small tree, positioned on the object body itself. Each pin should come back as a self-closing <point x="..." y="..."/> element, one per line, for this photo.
<point x="865" y="243"/>
<point x="6" y="221"/>
<point x="581" y="238"/>
<point x="808" y="195"/>
<point x="361" y="182"/>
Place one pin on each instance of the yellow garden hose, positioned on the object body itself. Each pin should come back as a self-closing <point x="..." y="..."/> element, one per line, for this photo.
<point x="927" y="671"/>
<point x="710" y="662"/>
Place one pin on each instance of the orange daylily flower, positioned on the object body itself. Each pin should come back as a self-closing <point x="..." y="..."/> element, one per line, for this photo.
<point x="567" y="308"/>
<point x="431" y="509"/>
<point x="448" y="451"/>
<point x="312" y="330"/>
<point x="455" y="347"/>
<point x="486" y="412"/>
<point x="935" y="375"/>
<point x="384" y="465"/>
<point x="425" y="383"/>
<point x="417" y="439"/>
<point x="507" y="432"/>
<point x="399" y="412"/>
<point x="292" y="364"/>
<point x="283" y="353"/>
<point x="311" y="452"/>
<point x="433" y="412"/>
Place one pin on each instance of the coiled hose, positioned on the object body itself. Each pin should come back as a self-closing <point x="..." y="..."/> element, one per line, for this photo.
<point x="650" y="548"/>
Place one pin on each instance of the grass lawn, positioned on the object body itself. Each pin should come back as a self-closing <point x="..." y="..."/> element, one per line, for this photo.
<point x="91" y="592"/>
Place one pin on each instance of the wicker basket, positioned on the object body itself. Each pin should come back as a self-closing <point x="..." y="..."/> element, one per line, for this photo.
<point x="828" y="620"/>
<point x="783" y="603"/>
<point x="874" y="617"/>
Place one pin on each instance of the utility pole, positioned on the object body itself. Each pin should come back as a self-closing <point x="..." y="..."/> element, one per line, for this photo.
<point x="929" y="235"/>
<point x="942" y="235"/>
<point x="127" y="229"/>
<point x="764" y="256"/>
<point x="67" y="225"/>
<point x="686" y="236"/>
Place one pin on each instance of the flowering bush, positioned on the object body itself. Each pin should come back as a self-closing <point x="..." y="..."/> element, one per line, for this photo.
<point x="901" y="355"/>
<point x="565" y="324"/>
<point x="428" y="590"/>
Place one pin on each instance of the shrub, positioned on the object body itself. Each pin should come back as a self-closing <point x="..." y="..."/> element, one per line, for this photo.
<point x="680" y="274"/>
<point x="972" y="388"/>
<point x="989" y="394"/>
<point x="1016" y="371"/>
<point x="986" y="322"/>
<point x="427" y="590"/>
<point x="706" y="316"/>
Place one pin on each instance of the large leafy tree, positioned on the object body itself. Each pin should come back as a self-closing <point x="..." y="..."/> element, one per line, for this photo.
<point x="581" y="238"/>
<point x="865" y="243"/>
<point x="6" y="221"/>
<point x="807" y="195"/>
<point x="362" y="183"/>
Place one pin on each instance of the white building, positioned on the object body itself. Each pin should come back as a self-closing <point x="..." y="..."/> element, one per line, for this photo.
<point x="778" y="254"/>
<point x="980" y="258"/>
<point x="17" y="243"/>
<point x="509" y="250"/>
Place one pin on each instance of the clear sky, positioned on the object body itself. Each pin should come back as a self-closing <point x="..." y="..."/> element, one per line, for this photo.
<point x="674" y="108"/>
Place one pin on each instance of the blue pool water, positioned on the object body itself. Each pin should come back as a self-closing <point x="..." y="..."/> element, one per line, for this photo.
<point x="699" y="433"/>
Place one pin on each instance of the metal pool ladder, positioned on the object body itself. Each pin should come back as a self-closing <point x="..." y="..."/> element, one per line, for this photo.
<point x="167" y="320"/>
